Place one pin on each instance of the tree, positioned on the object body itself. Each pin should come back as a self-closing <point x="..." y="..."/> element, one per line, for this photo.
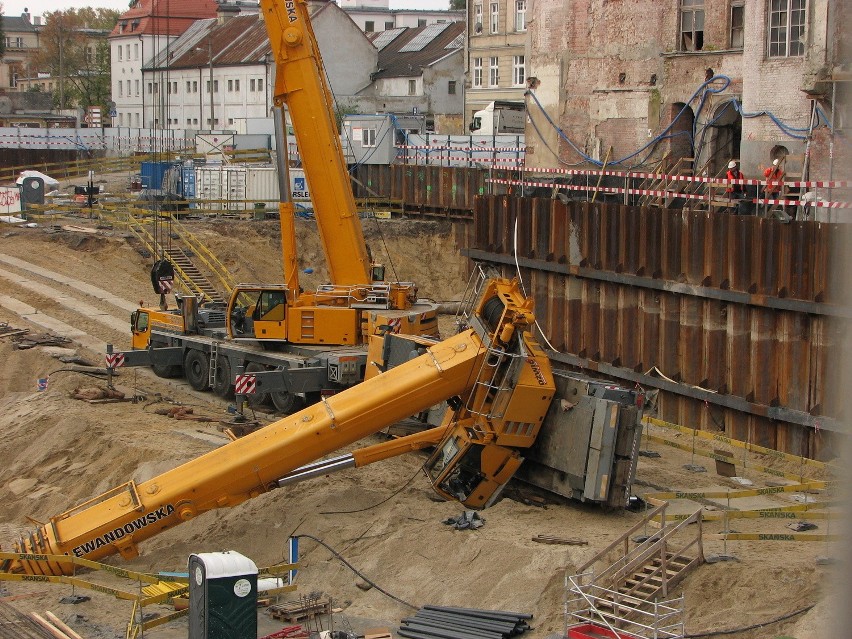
<point x="457" y="5"/>
<point x="74" y="49"/>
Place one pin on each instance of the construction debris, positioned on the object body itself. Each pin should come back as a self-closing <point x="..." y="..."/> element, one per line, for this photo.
<point x="11" y="331"/>
<point x="305" y="608"/>
<point x="96" y="395"/>
<point x="441" y="622"/>
<point x="183" y="413"/>
<point x="25" y="342"/>
<point x="290" y="632"/>
<point x="469" y="519"/>
<point x="547" y="539"/>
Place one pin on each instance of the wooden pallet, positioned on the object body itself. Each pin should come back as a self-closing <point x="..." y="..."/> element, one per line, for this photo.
<point x="297" y="611"/>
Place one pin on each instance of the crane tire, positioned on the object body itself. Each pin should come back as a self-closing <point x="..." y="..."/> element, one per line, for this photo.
<point x="166" y="371"/>
<point x="196" y="369"/>
<point x="286" y="402"/>
<point x="258" y="399"/>
<point x="223" y="385"/>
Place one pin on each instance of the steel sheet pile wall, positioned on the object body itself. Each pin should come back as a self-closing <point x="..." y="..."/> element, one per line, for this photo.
<point x="430" y="190"/>
<point x="739" y="313"/>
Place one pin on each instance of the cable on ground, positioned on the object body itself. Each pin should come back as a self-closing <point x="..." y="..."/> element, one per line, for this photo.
<point x="338" y="556"/>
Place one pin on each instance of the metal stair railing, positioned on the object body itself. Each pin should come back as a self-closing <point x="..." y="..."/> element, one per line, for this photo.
<point x="206" y="256"/>
<point x="637" y="617"/>
<point x="144" y="236"/>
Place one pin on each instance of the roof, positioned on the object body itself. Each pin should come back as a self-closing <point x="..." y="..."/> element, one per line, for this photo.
<point x="408" y="50"/>
<point x="17" y="24"/>
<point x="162" y="17"/>
<point x="236" y="41"/>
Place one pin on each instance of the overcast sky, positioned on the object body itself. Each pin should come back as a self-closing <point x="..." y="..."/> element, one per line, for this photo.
<point x="38" y="7"/>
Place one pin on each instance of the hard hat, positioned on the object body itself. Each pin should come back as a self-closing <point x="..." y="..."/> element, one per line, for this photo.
<point x="732" y="164"/>
<point x="775" y="162"/>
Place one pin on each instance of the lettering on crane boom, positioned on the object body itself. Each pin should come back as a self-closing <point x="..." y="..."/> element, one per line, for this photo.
<point x="122" y="531"/>
<point x="536" y="369"/>
<point x="291" y="10"/>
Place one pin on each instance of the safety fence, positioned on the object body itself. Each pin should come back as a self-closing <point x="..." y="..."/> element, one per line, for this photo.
<point x="811" y="493"/>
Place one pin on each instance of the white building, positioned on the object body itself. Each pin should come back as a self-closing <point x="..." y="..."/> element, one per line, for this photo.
<point x="376" y="15"/>
<point x="145" y="29"/>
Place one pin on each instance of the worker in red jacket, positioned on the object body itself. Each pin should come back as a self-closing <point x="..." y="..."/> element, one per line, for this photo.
<point x="733" y="190"/>
<point x="774" y="178"/>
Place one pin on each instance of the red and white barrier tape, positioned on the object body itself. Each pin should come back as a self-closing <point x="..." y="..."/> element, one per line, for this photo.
<point x="671" y="194"/>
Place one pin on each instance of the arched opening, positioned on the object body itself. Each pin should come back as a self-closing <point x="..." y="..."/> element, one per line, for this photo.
<point x="718" y="142"/>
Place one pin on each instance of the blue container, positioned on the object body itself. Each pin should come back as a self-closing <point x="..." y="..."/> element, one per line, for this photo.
<point x="152" y="174"/>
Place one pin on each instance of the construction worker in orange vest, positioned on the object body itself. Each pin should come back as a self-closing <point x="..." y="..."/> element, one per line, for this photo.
<point x="736" y="191"/>
<point x="774" y="178"/>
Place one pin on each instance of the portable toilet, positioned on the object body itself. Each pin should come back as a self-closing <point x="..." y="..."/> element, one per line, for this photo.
<point x="222" y="596"/>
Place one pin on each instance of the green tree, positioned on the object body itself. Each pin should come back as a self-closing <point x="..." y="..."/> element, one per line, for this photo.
<point x="457" y="5"/>
<point x="74" y="49"/>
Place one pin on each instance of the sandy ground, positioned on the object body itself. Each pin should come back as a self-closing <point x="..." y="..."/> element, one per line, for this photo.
<point x="57" y="452"/>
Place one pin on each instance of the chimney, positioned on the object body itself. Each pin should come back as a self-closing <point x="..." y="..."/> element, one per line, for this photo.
<point x="26" y="14"/>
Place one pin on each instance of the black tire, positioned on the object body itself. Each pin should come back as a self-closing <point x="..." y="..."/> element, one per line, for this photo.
<point x="258" y="399"/>
<point x="169" y="372"/>
<point x="223" y="386"/>
<point x="196" y="369"/>
<point x="286" y="402"/>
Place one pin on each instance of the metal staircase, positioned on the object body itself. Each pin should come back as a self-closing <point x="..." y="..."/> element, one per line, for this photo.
<point x="626" y="592"/>
<point x="180" y="257"/>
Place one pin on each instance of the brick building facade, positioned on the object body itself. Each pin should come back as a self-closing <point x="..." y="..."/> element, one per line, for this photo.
<point x="631" y="75"/>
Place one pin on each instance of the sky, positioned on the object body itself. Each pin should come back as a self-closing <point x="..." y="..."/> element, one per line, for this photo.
<point x="38" y="7"/>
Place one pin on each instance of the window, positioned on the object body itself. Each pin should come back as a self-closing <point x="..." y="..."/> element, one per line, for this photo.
<point x="451" y="87"/>
<point x="128" y="88"/>
<point x="215" y="86"/>
<point x="120" y="53"/>
<point x="207" y="84"/>
<point x="691" y="25"/>
<point x="493" y="72"/>
<point x="260" y="84"/>
<point x="136" y="86"/>
<point x="421" y="22"/>
<point x="412" y="87"/>
<point x="737" y="25"/>
<point x="237" y="84"/>
<point x="120" y="89"/>
<point x="136" y="51"/>
<point x="388" y="25"/>
<point x="150" y="89"/>
<point x="188" y="86"/>
<point x="127" y="50"/>
<point x="369" y="26"/>
<point x="495" y="17"/>
<point x="520" y="15"/>
<point x="189" y="122"/>
<point x="477" y="72"/>
<point x="518" y="71"/>
<point x="195" y="86"/>
<point x="787" y="28"/>
<point x="230" y="85"/>
<point x="136" y="117"/>
<point x="251" y="84"/>
<point x="368" y="137"/>
<point x="477" y="18"/>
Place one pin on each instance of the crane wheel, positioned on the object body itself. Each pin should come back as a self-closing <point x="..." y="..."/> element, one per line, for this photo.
<point x="196" y="369"/>
<point x="259" y="399"/>
<point x="167" y="371"/>
<point x="286" y="402"/>
<point x="223" y="386"/>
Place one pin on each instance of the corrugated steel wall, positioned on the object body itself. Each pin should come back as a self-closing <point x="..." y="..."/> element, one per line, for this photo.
<point x="735" y="319"/>
<point x="737" y="305"/>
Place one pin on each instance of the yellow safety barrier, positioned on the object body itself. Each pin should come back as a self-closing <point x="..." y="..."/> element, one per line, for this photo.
<point x="724" y="458"/>
<point x="723" y="439"/>
<point x="773" y="537"/>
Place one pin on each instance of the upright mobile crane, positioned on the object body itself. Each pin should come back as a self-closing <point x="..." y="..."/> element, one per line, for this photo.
<point x="290" y="338"/>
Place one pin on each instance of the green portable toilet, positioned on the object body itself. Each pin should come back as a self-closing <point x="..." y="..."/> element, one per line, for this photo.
<point x="222" y="596"/>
